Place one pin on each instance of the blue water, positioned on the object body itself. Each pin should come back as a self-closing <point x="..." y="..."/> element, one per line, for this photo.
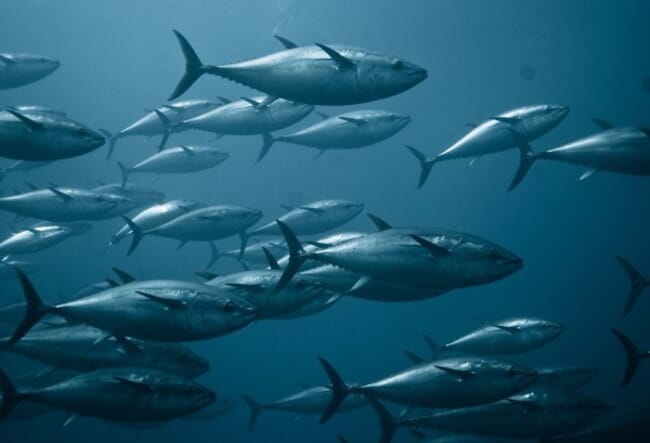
<point x="120" y="57"/>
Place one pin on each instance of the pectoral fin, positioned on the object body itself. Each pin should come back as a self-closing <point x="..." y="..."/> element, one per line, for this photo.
<point x="60" y="194"/>
<point x="354" y="121"/>
<point x="288" y="44"/>
<point x="364" y="280"/>
<point x="167" y="302"/>
<point x="435" y="250"/>
<point x="188" y="151"/>
<point x="379" y="223"/>
<point x="139" y="386"/>
<point x="461" y="374"/>
<point x="588" y="174"/>
<point x="70" y="419"/>
<point x="31" y="124"/>
<point x="342" y="61"/>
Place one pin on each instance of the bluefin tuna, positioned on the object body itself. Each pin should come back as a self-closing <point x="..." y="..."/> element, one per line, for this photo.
<point x="494" y="135"/>
<point x="351" y="130"/>
<point x="22" y="69"/>
<point x="39" y="237"/>
<point x="318" y="74"/>
<point x="141" y="195"/>
<point x="38" y="136"/>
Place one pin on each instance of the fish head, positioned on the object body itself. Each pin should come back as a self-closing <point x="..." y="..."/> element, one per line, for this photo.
<point x="186" y="205"/>
<point x="219" y="156"/>
<point x="382" y="75"/>
<point x="540" y="119"/>
<point x="479" y="261"/>
<point x="38" y="65"/>
<point x="72" y="137"/>
<point x="247" y="216"/>
<point x="544" y="330"/>
<point x="224" y="312"/>
<point x="287" y="110"/>
<point x="346" y="209"/>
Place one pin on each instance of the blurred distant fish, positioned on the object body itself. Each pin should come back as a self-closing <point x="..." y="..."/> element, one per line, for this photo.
<point x="83" y="348"/>
<point x="177" y="160"/>
<point x="350" y="130"/>
<point x="506" y="337"/>
<point x="21" y="165"/>
<point x="128" y="395"/>
<point x="141" y="195"/>
<point x="318" y="74"/>
<point x="622" y="150"/>
<point x="311" y="401"/>
<point x="39" y="136"/>
<point x="155" y="215"/>
<point x="495" y="135"/>
<point x="22" y="69"/>
<point x="67" y="204"/>
<point x="174" y="112"/>
<point x="629" y="425"/>
<point x="39" y="237"/>
<point x="8" y="266"/>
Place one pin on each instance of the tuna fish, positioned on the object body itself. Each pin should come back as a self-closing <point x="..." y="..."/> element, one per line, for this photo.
<point x="622" y="150"/>
<point x="308" y="401"/>
<point x="123" y="395"/>
<point x="317" y="75"/>
<point x="41" y="379"/>
<point x="174" y="112"/>
<point x="631" y="425"/>
<point x="177" y="160"/>
<point x="83" y="348"/>
<point x="22" y="69"/>
<point x="313" y="218"/>
<point x="494" y="135"/>
<point x="21" y="165"/>
<point x="157" y="310"/>
<point x="40" y="237"/>
<point x="448" y="383"/>
<point x="204" y="225"/>
<point x="250" y="116"/>
<point x="67" y="204"/>
<point x="38" y="136"/>
<point x="638" y="283"/>
<point x="141" y="195"/>
<point x="507" y="337"/>
<point x="537" y="413"/>
<point x="425" y="258"/>
<point x="155" y="216"/>
<point x="350" y="130"/>
<point x="8" y="265"/>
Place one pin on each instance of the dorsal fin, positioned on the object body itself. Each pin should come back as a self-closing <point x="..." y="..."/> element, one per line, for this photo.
<point x="206" y="275"/>
<point x="354" y="121"/>
<point x="323" y="115"/>
<point x="31" y="186"/>
<point x="602" y="124"/>
<point x="288" y="207"/>
<point x="124" y="276"/>
<point x="379" y="223"/>
<point x="168" y="302"/>
<point x="224" y="100"/>
<point x="112" y="283"/>
<point x="31" y="124"/>
<point x="288" y="44"/>
<point x="254" y="103"/>
<point x="60" y="193"/>
<point x="273" y="263"/>
<point x="415" y="359"/>
<point x="342" y="61"/>
<point x="435" y="250"/>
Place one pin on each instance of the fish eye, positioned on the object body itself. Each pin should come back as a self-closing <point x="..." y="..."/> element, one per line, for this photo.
<point x="494" y="255"/>
<point x="229" y="306"/>
<point x="511" y="372"/>
<point x="398" y="64"/>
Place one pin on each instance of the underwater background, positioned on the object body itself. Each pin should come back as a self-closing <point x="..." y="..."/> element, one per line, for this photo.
<point x="120" y="57"/>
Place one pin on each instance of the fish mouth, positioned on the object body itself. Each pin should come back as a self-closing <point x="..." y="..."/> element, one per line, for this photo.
<point x="419" y="74"/>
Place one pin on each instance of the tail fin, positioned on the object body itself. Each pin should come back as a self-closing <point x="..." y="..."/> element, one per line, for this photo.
<point x="136" y="232"/>
<point x="111" y="139"/>
<point x="255" y="408"/>
<point x="425" y="164"/>
<point x="388" y="424"/>
<point x="526" y="159"/>
<point x="296" y="255"/>
<point x="339" y="390"/>
<point x="433" y="346"/>
<point x="125" y="173"/>
<point x="634" y="357"/>
<point x="268" y="141"/>
<point x="9" y="395"/>
<point x="194" y="68"/>
<point x="637" y="284"/>
<point x="35" y="309"/>
<point x="214" y="255"/>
